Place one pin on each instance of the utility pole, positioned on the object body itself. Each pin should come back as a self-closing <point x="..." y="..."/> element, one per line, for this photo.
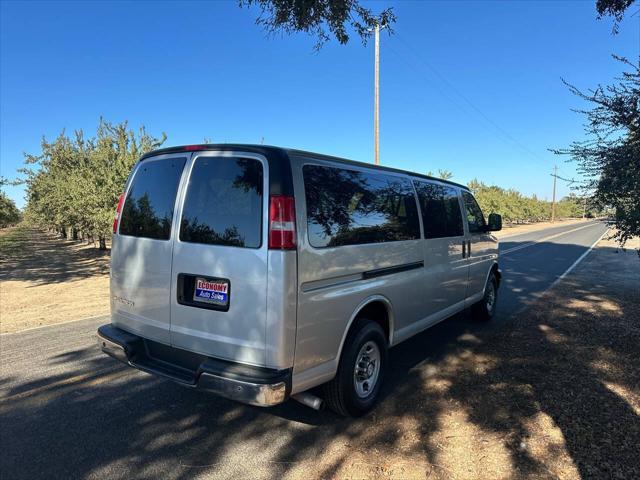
<point x="553" y="202"/>
<point x="376" y="101"/>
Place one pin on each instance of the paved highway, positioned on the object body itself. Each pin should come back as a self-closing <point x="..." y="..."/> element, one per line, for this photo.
<point x="67" y="411"/>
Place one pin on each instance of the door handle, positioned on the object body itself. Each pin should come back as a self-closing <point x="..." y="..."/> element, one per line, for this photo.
<point x="464" y="249"/>
<point x="469" y="249"/>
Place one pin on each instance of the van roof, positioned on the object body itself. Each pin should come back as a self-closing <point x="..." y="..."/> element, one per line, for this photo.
<point x="269" y="149"/>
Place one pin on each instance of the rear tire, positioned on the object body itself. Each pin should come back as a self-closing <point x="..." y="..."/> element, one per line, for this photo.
<point x="363" y="363"/>
<point x="484" y="310"/>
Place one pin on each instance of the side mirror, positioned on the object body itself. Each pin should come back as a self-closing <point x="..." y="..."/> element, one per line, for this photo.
<point x="495" y="222"/>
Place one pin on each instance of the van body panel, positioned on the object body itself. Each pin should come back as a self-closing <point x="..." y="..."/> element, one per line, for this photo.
<point x="140" y="286"/>
<point x="333" y="281"/>
<point x="239" y="333"/>
<point x="140" y="279"/>
<point x="446" y="274"/>
<point x="482" y="250"/>
<point x="281" y="308"/>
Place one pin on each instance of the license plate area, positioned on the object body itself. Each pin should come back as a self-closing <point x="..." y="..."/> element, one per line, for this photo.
<point x="212" y="293"/>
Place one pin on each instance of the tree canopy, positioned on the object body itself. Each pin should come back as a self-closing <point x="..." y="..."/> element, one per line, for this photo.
<point x="613" y="8"/>
<point x="609" y="158"/>
<point x="517" y="208"/>
<point x="320" y="18"/>
<point x="75" y="182"/>
<point x="9" y="213"/>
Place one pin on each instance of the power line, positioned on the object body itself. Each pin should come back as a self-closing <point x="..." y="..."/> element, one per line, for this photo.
<point x="476" y="109"/>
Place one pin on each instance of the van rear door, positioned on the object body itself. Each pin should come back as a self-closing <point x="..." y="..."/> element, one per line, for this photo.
<point x="220" y="253"/>
<point x="141" y="248"/>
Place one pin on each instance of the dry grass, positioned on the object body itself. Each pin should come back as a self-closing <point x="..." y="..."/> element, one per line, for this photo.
<point x="47" y="280"/>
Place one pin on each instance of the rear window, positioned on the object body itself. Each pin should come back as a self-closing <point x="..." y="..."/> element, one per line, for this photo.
<point x="441" y="214"/>
<point x="148" y="208"/>
<point x="223" y="205"/>
<point x="348" y="207"/>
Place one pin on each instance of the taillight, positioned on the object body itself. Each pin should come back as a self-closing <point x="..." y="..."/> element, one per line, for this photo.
<point x="282" y="223"/>
<point x="118" y="210"/>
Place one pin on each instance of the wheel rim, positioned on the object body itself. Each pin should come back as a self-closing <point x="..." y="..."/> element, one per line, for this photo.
<point x="490" y="297"/>
<point x="367" y="369"/>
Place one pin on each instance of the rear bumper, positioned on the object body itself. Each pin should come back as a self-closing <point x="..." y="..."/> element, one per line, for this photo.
<point x="252" y="385"/>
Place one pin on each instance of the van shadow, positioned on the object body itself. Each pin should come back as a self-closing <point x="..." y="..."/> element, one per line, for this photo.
<point x="570" y="360"/>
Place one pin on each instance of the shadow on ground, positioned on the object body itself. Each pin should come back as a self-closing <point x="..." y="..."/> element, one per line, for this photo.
<point x="44" y="258"/>
<point x="555" y="393"/>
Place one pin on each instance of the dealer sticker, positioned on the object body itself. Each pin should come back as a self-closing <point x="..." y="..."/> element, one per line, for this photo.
<point x="215" y="292"/>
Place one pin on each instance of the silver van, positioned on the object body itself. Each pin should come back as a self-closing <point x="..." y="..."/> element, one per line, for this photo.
<point x="258" y="273"/>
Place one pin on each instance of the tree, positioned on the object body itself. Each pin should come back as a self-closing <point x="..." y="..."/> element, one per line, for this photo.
<point x="320" y="18"/>
<point x="9" y="213"/>
<point x="74" y="183"/>
<point x="613" y="8"/>
<point x="443" y="174"/>
<point x="610" y="157"/>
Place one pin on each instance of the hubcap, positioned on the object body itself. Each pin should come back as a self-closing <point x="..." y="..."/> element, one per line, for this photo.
<point x="367" y="369"/>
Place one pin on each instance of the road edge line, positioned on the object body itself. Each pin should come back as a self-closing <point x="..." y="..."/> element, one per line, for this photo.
<point x="577" y="262"/>
<point x="539" y="229"/>
<point x="54" y="324"/>
<point x="560" y="278"/>
<point x="544" y="239"/>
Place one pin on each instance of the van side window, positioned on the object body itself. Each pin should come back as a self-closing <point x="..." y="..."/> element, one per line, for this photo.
<point x="223" y="204"/>
<point x="441" y="216"/>
<point x="148" y="208"/>
<point x="349" y="207"/>
<point x="475" y="219"/>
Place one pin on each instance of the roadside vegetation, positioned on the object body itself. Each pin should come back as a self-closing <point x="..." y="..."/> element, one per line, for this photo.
<point x="609" y="158"/>
<point x="518" y="208"/>
<point x="74" y="183"/>
<point x="9" y="213"/>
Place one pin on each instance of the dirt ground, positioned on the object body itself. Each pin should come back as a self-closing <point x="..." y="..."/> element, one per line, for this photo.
<point x="46" y="280"/>
<point x="555" y="395"/>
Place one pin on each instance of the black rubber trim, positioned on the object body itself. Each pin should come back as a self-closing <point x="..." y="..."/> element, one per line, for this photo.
<point x="380" y="272"/>
<point x="185" y="367"/>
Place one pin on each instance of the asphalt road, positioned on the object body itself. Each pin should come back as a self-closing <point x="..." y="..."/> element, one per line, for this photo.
<point x="67" y="411"/>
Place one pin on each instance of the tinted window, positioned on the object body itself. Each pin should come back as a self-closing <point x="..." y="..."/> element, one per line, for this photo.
<point x="347" y="207"/>
<point x="441" y="216"/>
<point x="223" y="205"/>
<point x="148" y="208"/>
<point x="475" y="219"/>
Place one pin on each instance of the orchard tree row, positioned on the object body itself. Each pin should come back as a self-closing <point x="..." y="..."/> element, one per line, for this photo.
<point x="518" y="208"/>
<point x="74" y="183"/>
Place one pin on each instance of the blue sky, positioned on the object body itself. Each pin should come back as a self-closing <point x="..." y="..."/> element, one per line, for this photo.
<point x="471" y="87"/>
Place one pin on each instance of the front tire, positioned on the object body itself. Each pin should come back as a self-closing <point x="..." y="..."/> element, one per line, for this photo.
<point x="484" y="310"/>
<point x="363" y="363"/>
